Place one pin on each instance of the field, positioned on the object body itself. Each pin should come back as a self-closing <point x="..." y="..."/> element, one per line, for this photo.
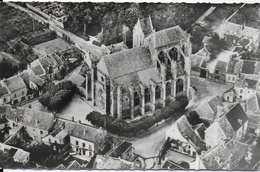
<point x="14" y="24"/>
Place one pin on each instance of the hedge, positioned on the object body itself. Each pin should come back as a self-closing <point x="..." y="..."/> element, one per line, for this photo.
<point x="121" y="127"/>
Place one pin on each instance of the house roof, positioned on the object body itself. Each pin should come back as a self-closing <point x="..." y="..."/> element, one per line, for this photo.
<point x="237" y="149"/>
<point x="74" y="165"/>
<point x="215" y="158"/>
<point x="221" y="66"/>
<point x="84" y="132"/>
<point x="167" y="37"/>
<point x="21" y="155"/>
<point x="252" y="84"/>
<point x="248" y="67"/>
<point x="215" y="102"/>
<point x="28" y="117"/>
<point x="77" y="79"/>
<point x="205" y="112"/>
<point x="200" y="128"/>
<point x="189" y="134"/>
<point x="55" y="45"/>
<point x="172" y="165"/>
<point x="117" y="47"/>
<point x="232" y="66"/>
<point x="26" y="76"/>
<point x="120" y="149"/>
<point x="111" y="163"/>
<point x="236" y="116"/>
<point x="128" y="61"/>
<point x="37" y="70"/>
<point x="3" y="91"/>
<point x="146" y="26"/>
<point x="257" y="68"/>
<point x="253" y="104"/>
<point x="203" y="52"/>
<point x="15" y="83"/>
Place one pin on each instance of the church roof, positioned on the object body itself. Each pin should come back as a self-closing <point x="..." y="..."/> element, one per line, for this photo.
<point x="125" y="62"/>
<point x="167" y="36"/>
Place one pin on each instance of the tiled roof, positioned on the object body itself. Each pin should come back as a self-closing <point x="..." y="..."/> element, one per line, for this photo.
<point x="172" y="165"/>
<point x="226" y="127"/>
<point x="257" y="68"/>
<point x="117" y="47"/>
<point x="221" y="66"/>
<point x="203" y="52"/>
<point x="74" y="165"/>
<point x="110" y="163"/>
<point x="205" y="112"/>
<point x="215" y="102"/>
<point x="15" y="83"/>
<point x="252" y="84"/>
<point x="128" y="61"/>
<point x="119" y="150"/>
<point x="37" y="70"/>
<point x="187" y="132"/>
<point x="252" y="104"/>
<point x="77" y="79"/>
<point x="142" y="76"/>
<point x="28" y="117"/>
<point x="26" y="76"/>
<point x="237" y="116"/>
<point x="237" y="149"/>
<point x="200" y="128"/>
<point x="248" y="67"/>
<point x="55" y="45"/>
<point x="167" y="36"/>
<point x="3" y="91"/>
<point x="84" y="132"/>
<point x="146" y="26"/>
<point x="45" y="62"/>
<point x="215" y="158"/>
<point x="203" y="63"/>
<point x="21" y="155"/>
<point x="231" y="66"/>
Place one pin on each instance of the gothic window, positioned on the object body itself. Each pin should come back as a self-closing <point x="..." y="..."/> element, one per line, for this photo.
<point x="101" y="99"/>
<point x="158" y="66"/>
<point x="168" y="89"/>
<point x="179" y="85"/>
<point x="136" y="99"/>
<point x="157" y="92"/>
<point x="162" y="57"/>
<point x="125" y="103"/>
<point x="173" y="53"/>
<point x="147" y="95"/>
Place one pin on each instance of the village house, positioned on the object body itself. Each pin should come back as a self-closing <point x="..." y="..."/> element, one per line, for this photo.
<point x="13" y="90"/>
<point x="85" y="140"/>
<point x="252" y="108"/>
<point x="110" y="163"/>
<point x="123" y="150"/>
<point x="250" y="69"/>
<point x="138" y="81"/>
<point x="244" y="88"/>
<point x="72" y="163"/>
<point x="208" y="111"/>
<point x="240" y="31"/>
<point x="224" y="156"/>
<point x="231" y="125"/>
<point x="197" y="68"/>
<point x="233" y="70"/>
<point x="37" y="123"/>
<point x="18" y="155"/>
<point x="184" y="138"/>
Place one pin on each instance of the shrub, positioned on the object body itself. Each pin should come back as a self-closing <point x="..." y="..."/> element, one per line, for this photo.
<point x="58" y="95"/>
<point x="120" y="127"/>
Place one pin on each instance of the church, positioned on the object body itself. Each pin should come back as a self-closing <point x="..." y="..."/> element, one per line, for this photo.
<point x="137" y="81"/>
